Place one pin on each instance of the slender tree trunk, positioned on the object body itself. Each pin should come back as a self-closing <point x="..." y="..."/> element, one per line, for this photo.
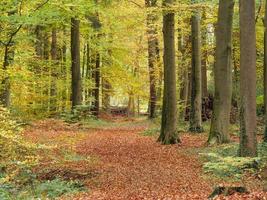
<point x="160" y="78"/>
<point x="152" y="57"/>
<point x="38" y="43"/>
<point x="64" y="72"/>
<point x="106" y="92"/>
<point x="97" y="85"/>
<point x="248" y="141"/>
<point x="54" y="65"/>
<point x="183" y="68"/>
<point x="223" y="75"/>
<point x="75" y="68"/>
<point x="168" y="133"/>
<point x="5" y="86"/>
<point x="204" y="83"/>
<point x="196" y="93"/>
<point x="88" y="71"/>
<point x="204" y="78"/>
<point x="265" y="73"/>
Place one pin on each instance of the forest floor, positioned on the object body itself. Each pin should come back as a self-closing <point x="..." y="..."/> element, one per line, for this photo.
<point x="116" y="161"/>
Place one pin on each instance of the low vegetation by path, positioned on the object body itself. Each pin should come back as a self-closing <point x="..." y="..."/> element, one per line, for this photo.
<point x="117" y="161"/>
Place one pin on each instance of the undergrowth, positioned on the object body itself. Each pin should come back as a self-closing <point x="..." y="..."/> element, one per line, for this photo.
<point x="18" y="158"/>
<point x="223" y="162"/>
<point x="39" y="190"/>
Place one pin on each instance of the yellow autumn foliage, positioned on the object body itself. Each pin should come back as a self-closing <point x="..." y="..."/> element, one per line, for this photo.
<point x="16" y="154"/>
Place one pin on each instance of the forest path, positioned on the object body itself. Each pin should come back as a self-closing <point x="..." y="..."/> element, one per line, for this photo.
<point x="133" y="166"/>
<point x="116" y="161"/>
<point x="125" y="164"/>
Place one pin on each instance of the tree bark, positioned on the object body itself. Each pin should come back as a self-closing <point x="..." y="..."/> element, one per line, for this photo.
<point x="64" y="72"/>
<point x="248" y="141"/>
<point x="96" y="107"/>
<point x="75" y="68"/>
<point x="219" y="132"/>
<point x="204" y="80"/>
<point x="53" y="68"/>
<point x="196" y="93"/>
<point x="152" y="57"/>
<point x="5" y="85"/>
<point x="184" y="76"/>
<point x="38" y="43"/>
<point x="168" y="133"/>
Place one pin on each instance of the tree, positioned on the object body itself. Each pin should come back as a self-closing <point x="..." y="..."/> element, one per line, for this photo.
<point x="75" y="58"/>
<point x="168" y="133"/>
<point x="9" y="54"/>
<point x="53" y="69"/>
<point x="204" y="77"/>
<point x="248" y="142"/>
<point x="196" y="91"/>
<point x="152" y="56"/>
<point x="222" y="75"/>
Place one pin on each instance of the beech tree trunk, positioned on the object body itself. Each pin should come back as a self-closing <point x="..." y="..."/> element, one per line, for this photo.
<point x="183" y="77"/>
<point x="248" y="142"/>
<point x="219" y="132"/>
<point x="152" y="57"/>
<point x="168" y="133"/>
<point x="96" y="107"/>
<point x="75" y="68"/>
<point x="196" y="88"/>
<point x="53" y="68"/>
<point x="64" y="71"/>
<point x="204" y="78"/>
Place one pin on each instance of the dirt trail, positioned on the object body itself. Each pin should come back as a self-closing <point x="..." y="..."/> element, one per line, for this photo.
<point x="136" y="167"/>
<point x="129" y="166"/>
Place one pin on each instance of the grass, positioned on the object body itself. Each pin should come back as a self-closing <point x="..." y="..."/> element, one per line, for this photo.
<point x="40" y="190"/>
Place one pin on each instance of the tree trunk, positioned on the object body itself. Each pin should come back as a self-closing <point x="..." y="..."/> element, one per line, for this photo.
<point x="75" y="68"/>
<point x="204" y="83"/>
<point x="54" y="65"/>
<point x="88" y="72"/>
<point x="5" y="85"/>
<point x="248" y="141"/>
<point x="64" y="72"/>
<point x="196" y="93"/>
<point x="152" y="57"/>
<point x="184" y="79"/>
<point x="168" y="133"/>
<point x="222" y="75"/>
<point x="107" y="87"/>
<point x="204" y="80"/>
<point x="97" y="85"/>
<point x="38" y="43"/>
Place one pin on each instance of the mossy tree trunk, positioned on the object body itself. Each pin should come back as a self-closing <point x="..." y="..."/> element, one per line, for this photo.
<point x="248" y="142"/>
<point x="168" y="133"/>
<point x="222" y="75"/>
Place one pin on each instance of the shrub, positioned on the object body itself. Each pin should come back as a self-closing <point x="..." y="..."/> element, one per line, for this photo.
<point x="224" y="163"/>
<point x="80" y="112"/>
<point x="16" y="155"/>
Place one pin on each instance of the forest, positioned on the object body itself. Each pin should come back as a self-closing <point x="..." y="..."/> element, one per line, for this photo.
<point x="133" y="99"/>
